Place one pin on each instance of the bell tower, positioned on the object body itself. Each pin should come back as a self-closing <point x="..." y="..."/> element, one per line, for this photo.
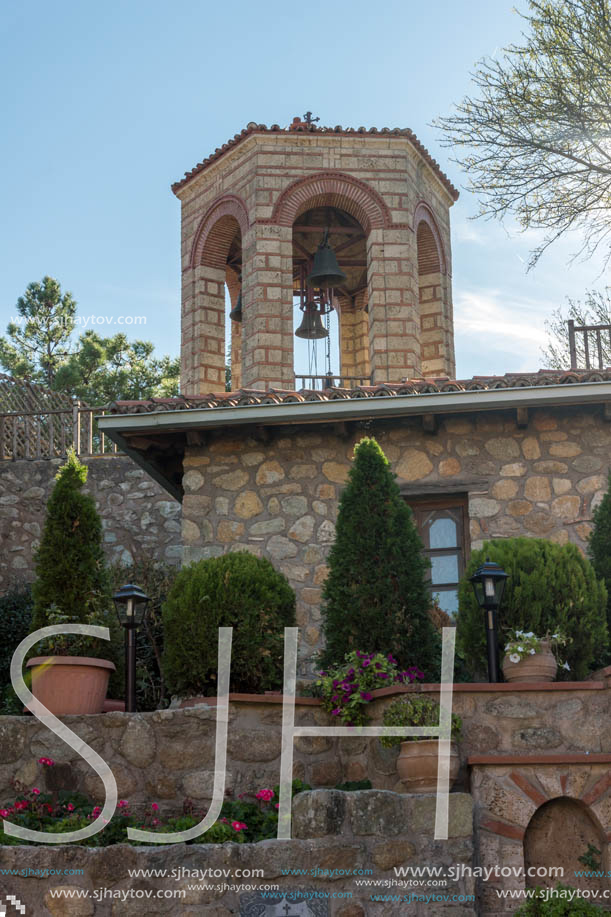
<point x="342" y="222"/>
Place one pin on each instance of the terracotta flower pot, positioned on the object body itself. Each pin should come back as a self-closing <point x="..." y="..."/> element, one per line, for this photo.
<point x="417" y="765"/>
<point x="70" y="684"/>
<point x="540" y="666"/>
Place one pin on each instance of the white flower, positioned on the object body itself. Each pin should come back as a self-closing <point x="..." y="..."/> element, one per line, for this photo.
<point x="520" y="649"/>
<point x="532" y="652"/>
<point x="514" y="657"/>
<point x="530" y="634"/>
<point x="566" y="666"/>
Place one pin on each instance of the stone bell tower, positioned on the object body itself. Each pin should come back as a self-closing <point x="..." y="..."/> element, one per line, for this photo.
<point x="253" y="216"/>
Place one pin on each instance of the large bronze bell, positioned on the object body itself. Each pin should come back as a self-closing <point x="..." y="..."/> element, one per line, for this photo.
<point x="326" y="272"/>
<point x="311" y="328"/>
<point x="236" y="314"/>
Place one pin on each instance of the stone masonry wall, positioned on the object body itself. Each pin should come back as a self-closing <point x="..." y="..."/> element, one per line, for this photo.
<point x="137" y="514"/>
<point x="168" y="755"/>
<point x="278" y="497"/>
<point x="334" y="833"/>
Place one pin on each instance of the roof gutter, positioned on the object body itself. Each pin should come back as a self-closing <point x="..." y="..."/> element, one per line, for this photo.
<point x="368" y="408"/>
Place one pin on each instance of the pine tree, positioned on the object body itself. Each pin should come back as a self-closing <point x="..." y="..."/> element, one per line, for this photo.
<point x="70" y="568"/>
<point x="599" y="548"/>
<point x="375" y="595"/>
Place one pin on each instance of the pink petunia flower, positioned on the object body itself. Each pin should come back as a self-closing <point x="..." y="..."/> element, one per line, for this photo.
<point x="123" y="803"/>
<point x="35" y="790"/>
<point x="48" y="762"/>
<point x="70" y="807"/>
<point x="265" y="795"/>
<point x="4" y="813"/>
<point x="238" y="825"/>
<point x="154" y="807"/>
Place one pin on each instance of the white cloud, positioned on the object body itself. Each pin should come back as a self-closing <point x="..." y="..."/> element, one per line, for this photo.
<point x="499" y="332"/>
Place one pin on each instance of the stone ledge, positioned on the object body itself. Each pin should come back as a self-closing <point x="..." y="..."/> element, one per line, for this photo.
<point x="566" y="758"/>
<point x="430" y="687"/>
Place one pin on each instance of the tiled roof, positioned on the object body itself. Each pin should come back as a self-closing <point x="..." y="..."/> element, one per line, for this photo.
<point x="384" y="390"/>
<point x="304" y="127"/>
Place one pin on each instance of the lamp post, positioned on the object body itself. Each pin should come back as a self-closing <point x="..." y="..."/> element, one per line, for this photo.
<point x="488" y="584"/>
<point x="130" y="604"/>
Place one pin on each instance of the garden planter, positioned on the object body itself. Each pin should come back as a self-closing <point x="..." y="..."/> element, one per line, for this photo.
<point x="417" y="765"/>
<point x="70" y="684"/>
<point x="541" y="666"/>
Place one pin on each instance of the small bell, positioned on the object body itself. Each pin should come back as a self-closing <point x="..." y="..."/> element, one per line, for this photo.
<point x="311" y="328"/>
<point x="236" y="314"/>
<point x="326" y="272"/>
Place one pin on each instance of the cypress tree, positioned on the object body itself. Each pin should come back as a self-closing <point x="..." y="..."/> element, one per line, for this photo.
<point x="375" y="597"/>
<point x="599" y="551"/>
<point x="70" y="568"/>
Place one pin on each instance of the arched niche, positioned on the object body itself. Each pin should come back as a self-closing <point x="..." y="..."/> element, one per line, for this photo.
<point x="557" y="835"/>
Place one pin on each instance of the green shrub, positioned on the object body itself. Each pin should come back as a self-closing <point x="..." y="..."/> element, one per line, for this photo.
<point x="238" y="590"/>
<point x="15" y="620"/>
<point x="156" y="580"/>
<point x="375" y="595"/>
<point x="414" y="712"/>
<point x="551" y="588"/>
<point x="599" y="551"/>
<point x="71" y="576"/>
<point x="559" y="906"/>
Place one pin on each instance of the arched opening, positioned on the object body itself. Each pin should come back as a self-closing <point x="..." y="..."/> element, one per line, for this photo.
<point x="546" y="846"/>
<point x="341" y="356"/>
<point x="233" y="314"/>
<point x="433" y="342"/>
<point x="209" y="335"/>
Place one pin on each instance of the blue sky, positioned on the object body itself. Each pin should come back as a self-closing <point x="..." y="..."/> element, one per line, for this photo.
<point x="104" y="105"/>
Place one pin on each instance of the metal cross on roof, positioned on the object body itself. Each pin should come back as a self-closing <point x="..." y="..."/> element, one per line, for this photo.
<point x="309" y="119"/>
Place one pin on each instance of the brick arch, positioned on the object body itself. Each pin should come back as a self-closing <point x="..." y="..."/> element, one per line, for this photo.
<point x="332" y="189"/>
<point x="216" y="231"/>
<point x="431" y="255"/>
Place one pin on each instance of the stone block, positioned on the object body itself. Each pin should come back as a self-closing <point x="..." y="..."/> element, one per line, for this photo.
<point x="247" y="505"/>
<point x="318" y="813"/>
<point x="377" y="812"/>
<point x="138" y="743"/>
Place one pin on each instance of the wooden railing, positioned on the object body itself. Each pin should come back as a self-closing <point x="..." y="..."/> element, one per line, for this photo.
<point x="595" y="338"/>
<point x="330" y="381"/>
<point x="49" y="434"/>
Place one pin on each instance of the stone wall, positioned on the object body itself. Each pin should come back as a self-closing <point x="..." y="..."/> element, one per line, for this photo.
<point x="168" y="755"/>
<point x="333" y="831"/>
<point x="138" y="516"/>
<point x="278" y="496"/>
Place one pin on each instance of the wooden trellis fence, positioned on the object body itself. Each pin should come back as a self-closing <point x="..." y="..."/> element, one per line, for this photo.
<point x="37" y="424"/>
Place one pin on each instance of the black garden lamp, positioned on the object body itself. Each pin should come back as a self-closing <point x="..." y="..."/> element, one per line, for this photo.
<point x="489" y="584"/>
<point x="130" y="604"/>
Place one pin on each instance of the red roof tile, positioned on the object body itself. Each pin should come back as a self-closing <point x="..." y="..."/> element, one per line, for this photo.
<point x="382" y="390"/>
<point x="304" y="127"/>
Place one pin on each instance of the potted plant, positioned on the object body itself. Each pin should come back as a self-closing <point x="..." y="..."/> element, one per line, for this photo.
<point x="71" y="587"/>
<point x="418" y="761"/>
<point x="67" y="678"/>
<point x="346" y="689"/>
<point x="531" y="658"/>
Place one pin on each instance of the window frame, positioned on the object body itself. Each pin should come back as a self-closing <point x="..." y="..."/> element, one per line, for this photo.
<point x="421" y="505"/>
